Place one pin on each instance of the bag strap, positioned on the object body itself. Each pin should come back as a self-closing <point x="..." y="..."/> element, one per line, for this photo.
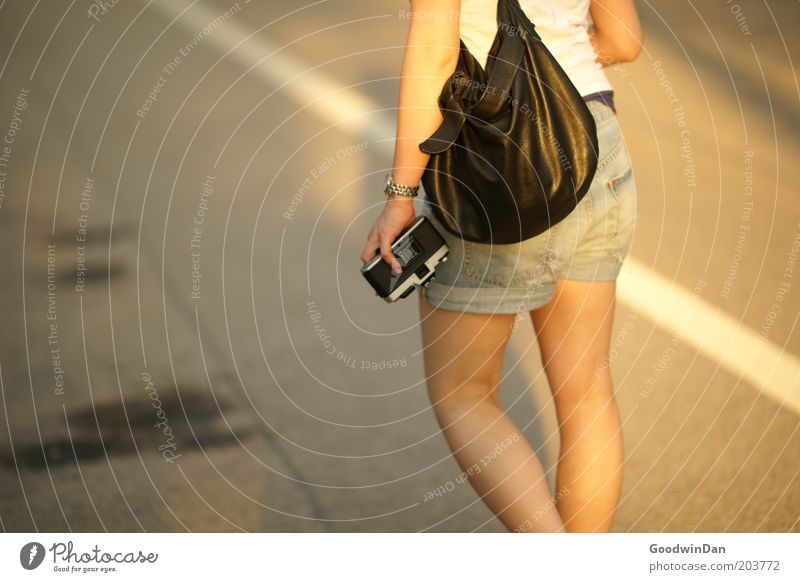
<point x="454" y="118"/>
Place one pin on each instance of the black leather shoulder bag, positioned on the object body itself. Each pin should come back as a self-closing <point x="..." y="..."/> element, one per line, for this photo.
<point x="517" y="149"/>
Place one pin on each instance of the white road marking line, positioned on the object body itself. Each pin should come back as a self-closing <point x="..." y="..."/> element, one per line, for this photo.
<point x="715" y="334"/>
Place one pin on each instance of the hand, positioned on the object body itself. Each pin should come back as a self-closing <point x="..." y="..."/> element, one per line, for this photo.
<point x="397" y="214"/>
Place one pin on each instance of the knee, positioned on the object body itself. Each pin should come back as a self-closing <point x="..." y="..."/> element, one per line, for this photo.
<point x="454" y="396"/>
<point x="592" y="387"/>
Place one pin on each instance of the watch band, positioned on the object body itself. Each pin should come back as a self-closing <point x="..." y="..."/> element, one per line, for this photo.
<point x="393" y="187"/>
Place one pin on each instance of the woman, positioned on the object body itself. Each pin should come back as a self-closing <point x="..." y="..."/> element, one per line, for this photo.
<point x="565" y="278"/>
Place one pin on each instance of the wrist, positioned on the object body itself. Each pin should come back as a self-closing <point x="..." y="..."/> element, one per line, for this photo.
<point x="395" y="199"/>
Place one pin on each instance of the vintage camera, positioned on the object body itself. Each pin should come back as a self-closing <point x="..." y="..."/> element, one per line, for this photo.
<point x="419" y="248"/>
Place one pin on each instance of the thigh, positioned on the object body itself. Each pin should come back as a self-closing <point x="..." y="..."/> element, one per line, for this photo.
<point x="462" y="351"/>
<point x="574" y="334"/>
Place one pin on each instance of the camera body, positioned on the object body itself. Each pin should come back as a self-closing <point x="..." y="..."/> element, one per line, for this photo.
<point x="419" y="249"/>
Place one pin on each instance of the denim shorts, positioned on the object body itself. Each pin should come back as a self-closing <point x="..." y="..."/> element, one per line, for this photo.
<point x="589" y="245"/>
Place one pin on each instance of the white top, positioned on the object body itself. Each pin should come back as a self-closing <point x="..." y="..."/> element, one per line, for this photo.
<point x="563" y="26"/>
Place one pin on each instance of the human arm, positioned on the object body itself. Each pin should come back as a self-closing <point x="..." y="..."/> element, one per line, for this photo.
<point x="430" y="58"/>
<point x="616" y="32"/>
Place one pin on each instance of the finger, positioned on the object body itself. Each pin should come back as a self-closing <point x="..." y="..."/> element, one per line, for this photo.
<point x="388" y="256"/>
<point x="371" y="248"/>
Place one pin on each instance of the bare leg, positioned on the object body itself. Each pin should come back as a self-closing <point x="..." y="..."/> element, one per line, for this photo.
<point x="574" y="333"/>
<point x="463" y="363"/>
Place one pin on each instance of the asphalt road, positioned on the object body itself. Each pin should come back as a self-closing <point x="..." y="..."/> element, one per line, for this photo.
<point x="186" y="343"/>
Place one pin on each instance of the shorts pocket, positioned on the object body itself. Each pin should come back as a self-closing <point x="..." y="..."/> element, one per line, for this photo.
<point x="622" y="186"/>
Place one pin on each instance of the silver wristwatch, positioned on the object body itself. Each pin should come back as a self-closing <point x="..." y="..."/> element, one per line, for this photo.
<point x="393" y="187"/>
